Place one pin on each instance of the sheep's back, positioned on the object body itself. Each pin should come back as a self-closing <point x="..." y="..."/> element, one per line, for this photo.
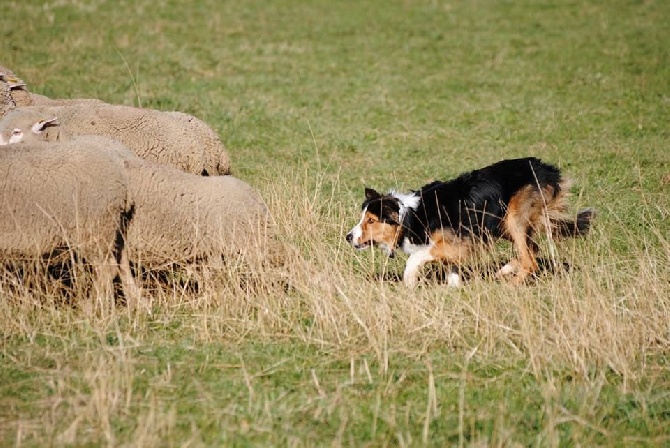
<point x="174" y="139"/>
<point x="182" y="217"/>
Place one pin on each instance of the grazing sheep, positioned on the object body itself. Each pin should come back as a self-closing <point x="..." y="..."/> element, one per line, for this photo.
<point x="13" y="91"/>
<point x="8" y="82"/>
<point x="181" y="217"/>
<point x="67" y="196"/>
<point x="169" y="138"/>
<point x="6" y="101"/>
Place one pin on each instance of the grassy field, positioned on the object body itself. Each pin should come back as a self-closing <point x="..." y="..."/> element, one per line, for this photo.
<point x="315" y="100"/>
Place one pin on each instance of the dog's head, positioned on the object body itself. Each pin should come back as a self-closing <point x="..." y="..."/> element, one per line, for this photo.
<point x="379" y="224"/>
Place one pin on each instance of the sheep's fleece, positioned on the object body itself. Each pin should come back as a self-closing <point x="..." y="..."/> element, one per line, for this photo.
<point x="185" y="217"/>
<point x="12" y="90"/>
<point x="66" y="195"/>
<point x="169" y="138"/>
<point x="6" y="100"/>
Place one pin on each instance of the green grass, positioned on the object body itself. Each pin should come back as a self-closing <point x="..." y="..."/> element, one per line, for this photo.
<point x="315" y="100"/>
<point x="285" y="394"/>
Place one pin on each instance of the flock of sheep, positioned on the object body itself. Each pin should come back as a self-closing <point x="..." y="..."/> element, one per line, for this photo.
<point x="117" y="185"/>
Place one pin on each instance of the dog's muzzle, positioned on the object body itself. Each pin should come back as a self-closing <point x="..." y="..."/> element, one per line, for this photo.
<point x="355" y="245"/>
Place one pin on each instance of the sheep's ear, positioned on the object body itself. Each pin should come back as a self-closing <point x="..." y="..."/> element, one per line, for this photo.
<point x="371" y="194"/>
<point x="41" y="125"/>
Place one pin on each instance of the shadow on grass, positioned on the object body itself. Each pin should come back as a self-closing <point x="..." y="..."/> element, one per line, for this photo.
<point x="438" y="273"/>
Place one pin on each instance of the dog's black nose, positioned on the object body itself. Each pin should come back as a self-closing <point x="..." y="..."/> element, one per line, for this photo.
<point x="350" y="237"/>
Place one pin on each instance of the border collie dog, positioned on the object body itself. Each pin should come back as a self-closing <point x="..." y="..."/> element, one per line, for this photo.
<point x="445" y="221"/>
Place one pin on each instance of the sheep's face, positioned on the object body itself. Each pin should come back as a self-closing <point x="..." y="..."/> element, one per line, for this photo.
<point x="15" y="136"/>
<point x="38" y="129"/>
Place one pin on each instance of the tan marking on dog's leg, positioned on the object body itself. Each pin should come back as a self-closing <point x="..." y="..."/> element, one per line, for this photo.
<point x="528" y="265"/>
<point x="452" y="250"/>
<point x="522" y="211"/>
<point x="444" y="246"/>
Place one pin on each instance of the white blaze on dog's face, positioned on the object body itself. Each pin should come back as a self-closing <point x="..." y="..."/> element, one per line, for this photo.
<point x="379" y="224"/>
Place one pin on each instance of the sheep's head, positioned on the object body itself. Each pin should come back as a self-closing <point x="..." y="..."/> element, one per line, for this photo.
<point x="14" y="137"/>
<point x="20" y="132"/>
<point x="13" y="91"/>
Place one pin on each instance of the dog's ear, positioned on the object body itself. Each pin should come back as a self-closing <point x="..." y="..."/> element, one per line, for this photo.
<point x="371" y="194"/>
<point x="390" y="216"/>
<point x="394" y="217"/>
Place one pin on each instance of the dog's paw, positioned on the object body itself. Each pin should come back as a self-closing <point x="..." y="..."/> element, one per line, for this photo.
<point x="454" y="280"/>
<point x="410" y="281"/>
<point x="510" y="268"/>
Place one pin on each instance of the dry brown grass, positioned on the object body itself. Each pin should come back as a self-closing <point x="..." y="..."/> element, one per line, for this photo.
<point x="605" y="309"/>
<point x="606" y="315"/>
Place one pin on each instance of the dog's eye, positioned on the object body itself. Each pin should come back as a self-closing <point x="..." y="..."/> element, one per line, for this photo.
<point x="371" y="221"/>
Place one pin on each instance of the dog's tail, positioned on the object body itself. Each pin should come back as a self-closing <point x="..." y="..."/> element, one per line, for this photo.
<point x="578" y="226"/>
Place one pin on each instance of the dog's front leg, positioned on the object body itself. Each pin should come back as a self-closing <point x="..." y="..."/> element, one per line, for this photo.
<point x="414" y="263"/>
<point x="454" y="278"/>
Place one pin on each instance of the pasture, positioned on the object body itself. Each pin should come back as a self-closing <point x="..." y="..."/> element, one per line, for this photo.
<point x="316" y="100"/>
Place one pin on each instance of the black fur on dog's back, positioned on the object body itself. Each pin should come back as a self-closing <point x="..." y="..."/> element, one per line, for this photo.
<point x="474" y="204"/>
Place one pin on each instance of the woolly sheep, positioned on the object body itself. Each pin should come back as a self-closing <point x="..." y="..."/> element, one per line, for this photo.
<point x="185" y="217"/>
<point x="174" y="139"/>
<point x="182" y="217"/>
<point x="8" y="81"/>
<point x="68" y="195"/>
<point x="6" y="101"/>
<point x="12" y="91"/>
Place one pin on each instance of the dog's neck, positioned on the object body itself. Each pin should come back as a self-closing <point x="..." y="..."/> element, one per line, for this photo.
<point x="407" y="202"/>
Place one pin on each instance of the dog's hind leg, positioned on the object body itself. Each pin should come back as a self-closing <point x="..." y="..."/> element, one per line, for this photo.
<point x="523" y="214"/>
<point x="510" y="268"/>
<point x="528" y="258"/>
<point x="520" y="233"/>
